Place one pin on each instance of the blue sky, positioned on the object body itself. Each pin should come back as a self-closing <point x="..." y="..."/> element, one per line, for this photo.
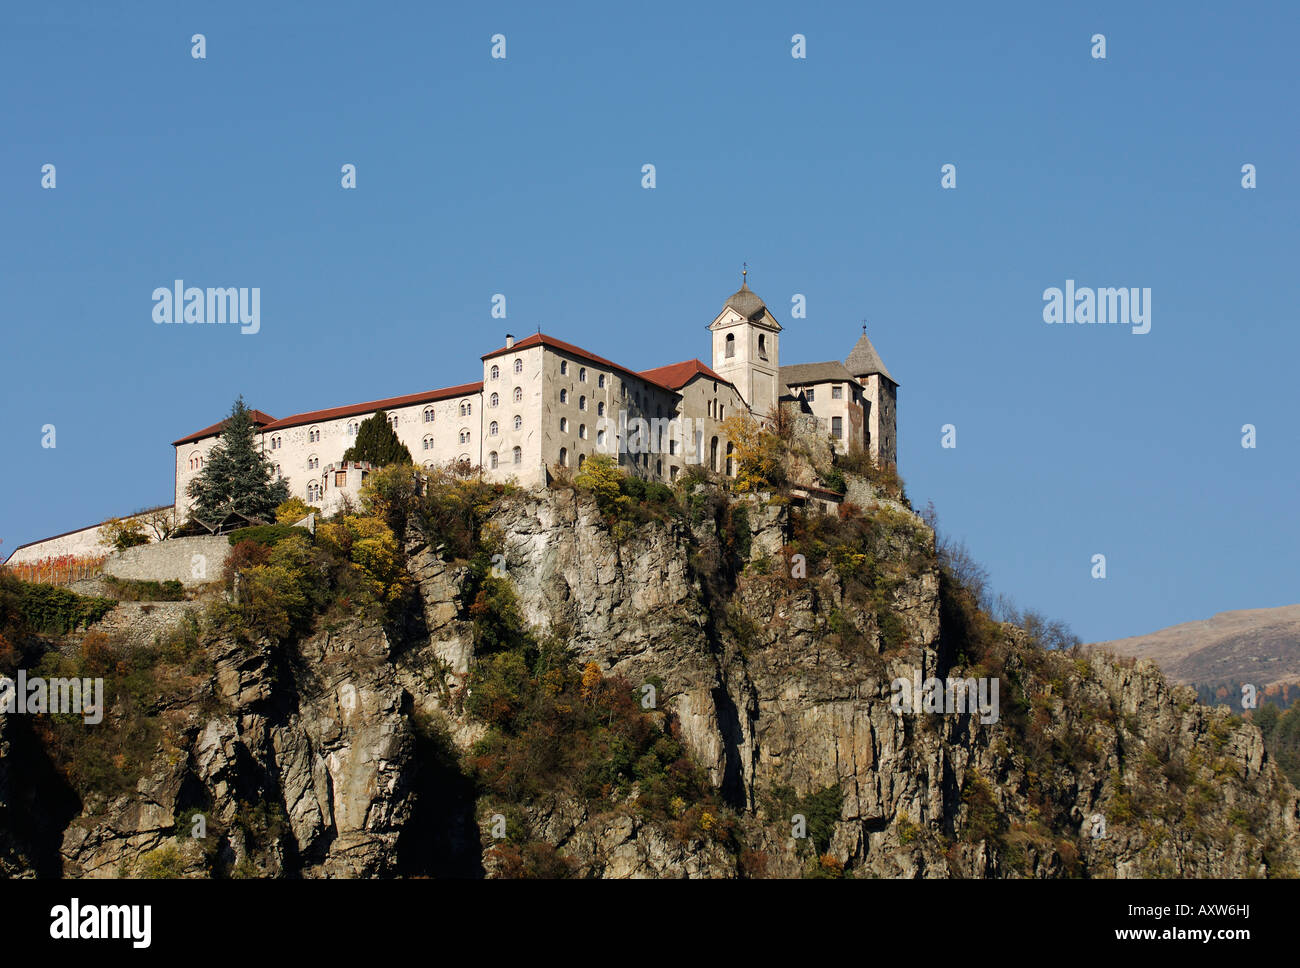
<point x="523" y="176"/>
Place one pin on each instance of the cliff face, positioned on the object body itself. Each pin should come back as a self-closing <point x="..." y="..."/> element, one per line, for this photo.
<point x="342" y="755"/>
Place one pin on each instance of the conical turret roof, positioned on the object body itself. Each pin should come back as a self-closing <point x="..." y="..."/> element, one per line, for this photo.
<point x="864" y="360"/>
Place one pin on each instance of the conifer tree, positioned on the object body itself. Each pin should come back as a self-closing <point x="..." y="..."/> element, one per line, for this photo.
<point x="236" y="476"/>
<point x="377" y="442"/>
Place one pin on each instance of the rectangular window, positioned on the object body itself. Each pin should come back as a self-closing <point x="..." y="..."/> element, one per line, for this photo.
<point x="837" y="392"/>
<point x="340" y="478"/>
<point x="808" y="395"/>
<point x="837" y="427"/>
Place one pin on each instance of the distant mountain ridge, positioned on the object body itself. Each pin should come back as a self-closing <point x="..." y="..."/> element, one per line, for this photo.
<point x="1260" y="645"/>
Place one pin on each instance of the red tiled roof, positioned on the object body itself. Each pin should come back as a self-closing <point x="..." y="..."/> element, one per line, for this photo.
<point x="267" y="422"/>
<point x="410" y="400"/>
<point x="259" y="420"/>
<point x="677" y="375"/>
<point x="541" y="339"/>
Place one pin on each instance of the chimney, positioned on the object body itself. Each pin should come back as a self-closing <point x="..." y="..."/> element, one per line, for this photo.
<point x="510" y="340"/>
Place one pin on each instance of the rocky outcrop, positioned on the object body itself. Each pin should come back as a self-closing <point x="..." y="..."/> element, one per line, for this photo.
<point x="310" y="760"/>
<point x="303" y="769"/>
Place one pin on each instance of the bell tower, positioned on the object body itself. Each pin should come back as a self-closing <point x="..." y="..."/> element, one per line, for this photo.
<point x="746" y="348"/>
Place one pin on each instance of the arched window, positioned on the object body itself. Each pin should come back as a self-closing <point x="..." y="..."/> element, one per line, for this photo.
<point x="582" y="431"/>
<point x="582" y="374"/>
<point x="564" y="425"/>
<point x="581" y="459"/>
<point x="313" y="462"/>
<point x="313" y="492"/>
<point x="713" y="454"/>
<point x="518" y="455"/>
<point x="492" y="429"/>
<point x="464" y="436"/>
<point x="731" y="460"/>
<point x="196" y="461"/>
<point x="392" y="421"/>
<point x="428" y="442"/>
<point x="492" y="460"/>
<point x="428" y="414"/>
<point x="519" y="394"/>
<point x="564" y="457"/>
<point x="564" y="395"/>
<point x="600" y="439"/>
<point x="519" y="366"/>
<point x="519" y="422"/>
<point x="762" y="346"/>
<point x="352" y="428"/>
<point x="600" y="380"/>
<point x="731" y="345"/>
<point x="494" y="400"/>
<point x="564" y="367"/>
<point x="496" y="372"/>
<point x="313" y="435"/>
<point x="582" y="403"/>
<point x="600" y="408"/>
<point x="466" y="408"/>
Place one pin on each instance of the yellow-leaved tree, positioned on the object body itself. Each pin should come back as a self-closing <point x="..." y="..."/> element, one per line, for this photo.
<point x="602" y="477"/>
<point x="759" y="455"/>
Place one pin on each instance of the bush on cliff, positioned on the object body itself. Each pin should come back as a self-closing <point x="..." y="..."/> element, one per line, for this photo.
<point x="46" y="609"/>
<point x="451" y="511"/>
<point x="554" y="728"/>
<point x="625" y="500"/>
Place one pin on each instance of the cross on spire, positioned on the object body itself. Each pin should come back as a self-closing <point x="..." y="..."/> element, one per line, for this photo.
<point x="744" y="272"/>
<point x="864" y="325"/>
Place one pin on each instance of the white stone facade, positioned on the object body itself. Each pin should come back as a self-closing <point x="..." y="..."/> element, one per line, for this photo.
<point x="544" y="406"/>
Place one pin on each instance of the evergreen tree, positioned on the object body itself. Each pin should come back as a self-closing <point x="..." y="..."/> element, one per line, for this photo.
<point x="236" y="476"/>
<point x="377" y="442"/>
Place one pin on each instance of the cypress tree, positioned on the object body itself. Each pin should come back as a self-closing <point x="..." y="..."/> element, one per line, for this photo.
<point x="236" y="476"/>
<point x="377" y="442"/>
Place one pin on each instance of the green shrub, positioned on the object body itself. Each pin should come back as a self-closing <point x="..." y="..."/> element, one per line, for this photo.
<point x="51" y="610"/>
<point x="162" y="863"/>
<point x="266" y="534"/>
<point x="133" y="590"/>
<point x="983" y="822"/>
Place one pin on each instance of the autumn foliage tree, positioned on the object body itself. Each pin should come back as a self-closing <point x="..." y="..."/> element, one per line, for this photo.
<point x="759" y="455"/>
